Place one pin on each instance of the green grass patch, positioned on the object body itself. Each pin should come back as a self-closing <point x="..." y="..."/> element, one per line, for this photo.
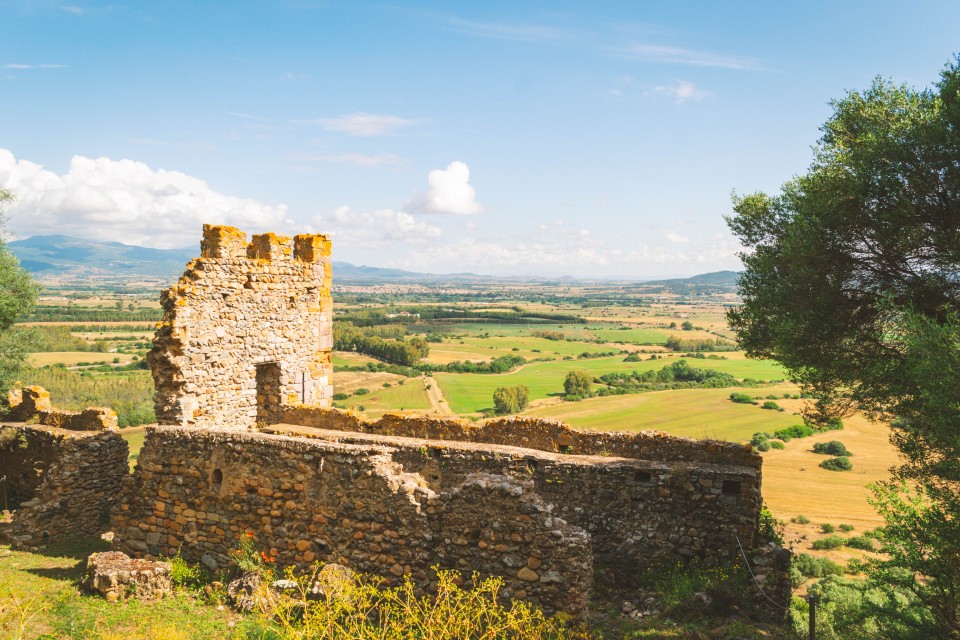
<point x="693" y="413"/>
<point x="410" y="396"/>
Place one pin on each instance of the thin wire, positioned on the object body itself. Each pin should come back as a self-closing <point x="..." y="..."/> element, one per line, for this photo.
<point x="762" y="592"/>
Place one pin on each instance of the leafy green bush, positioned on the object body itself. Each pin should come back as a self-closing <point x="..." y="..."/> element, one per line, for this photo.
<point x="770" y="404"/>
<point x="847" y="528"/>
<point x="832" y="448"/>
<point x="769" y="529"/>
<point x="763" y="445"/>
<point x="741" y="398"/>
<point x="760" y="436"/>
<point x="837" y="464"/>
<point x="826" y="527"/>
<point x="813" y="567"/>
<point x="801" y="519"/>
<point x="864" y="543"/>
<point x="341" y="396"/>
<point x="794" y="431"/>
<point x="830" y="542"/>
<point x="362" y="391"/>
<point x="777" y="444"/>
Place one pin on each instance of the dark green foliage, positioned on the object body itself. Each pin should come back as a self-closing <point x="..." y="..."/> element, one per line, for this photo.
<point x="741" y="398"/>
<point x="682" y="344"/>
<point x="383" y="343"/>
<point x="341" y="396"/>
<point x="508" y="400"/>
<point x="362" y="391"/>
<point x="830" y="542"/>
<point x="769" y="529"/>
<point x="130" y="394"/>
<point x="760" y="436"/>
<point x="18" y="296"/>
<point x="763" y="446"/>
<point x="826" y="527"/>
<point x="633" y="357"/>
<point x="679" y="375"/>
<point x="813" y="567"/>
<point x="851" y="282"/>
<point x="777" y="444"/>
<point x="577" y="385"/>
<point x="770" y="404"/>
<point x="864" y="543"/>
<point x="801" y="519"/>
<point x="831" y="448"/>
<point x="847" y="528"/>
<point x="841" y="463"/>
<point x="794" y="431"/>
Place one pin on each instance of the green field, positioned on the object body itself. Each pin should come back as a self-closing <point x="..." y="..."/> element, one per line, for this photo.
<point x="410" y="396"/>
<point x="692" y="413"/>
<point x="477" y="349"/>
<point x="638" y="335"/>
<point x="470" y="393"/>
<point x="134" y="437"/>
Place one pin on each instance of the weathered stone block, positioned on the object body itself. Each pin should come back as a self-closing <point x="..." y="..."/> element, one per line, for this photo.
<point x="117" y="576"/>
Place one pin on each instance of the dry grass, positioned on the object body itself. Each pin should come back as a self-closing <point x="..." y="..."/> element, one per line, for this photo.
<point x="71" y="358"/>
<point x="350" y="381"/>
<point x="794" y="484"/>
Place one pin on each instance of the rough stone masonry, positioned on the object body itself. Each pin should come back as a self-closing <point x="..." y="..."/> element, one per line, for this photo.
<point x="245" y="330"/>
<point x="248" y="445"/>
<point x="60" y="471"/>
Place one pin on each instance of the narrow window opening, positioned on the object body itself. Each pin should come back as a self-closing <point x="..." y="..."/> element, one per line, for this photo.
<point x="268" y="391"/>
<point x="731" y="488"/>
<point x="217" y="476"/>
<point x="643" y="477"/>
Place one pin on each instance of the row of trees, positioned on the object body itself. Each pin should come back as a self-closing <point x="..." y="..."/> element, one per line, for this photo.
<point x="394" y="350"/>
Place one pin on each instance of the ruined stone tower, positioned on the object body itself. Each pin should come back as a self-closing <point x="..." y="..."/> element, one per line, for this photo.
<point x="246" y="330"/>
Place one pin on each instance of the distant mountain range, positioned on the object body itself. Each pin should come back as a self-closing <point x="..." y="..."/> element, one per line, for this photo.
<point x="66" y="257"/>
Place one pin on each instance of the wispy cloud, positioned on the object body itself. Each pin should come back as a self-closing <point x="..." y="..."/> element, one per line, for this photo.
<point x="360" y="159"/>
<point x="681" y="91"/>
<point x="520" y="32"/>
<point x="15" y="65"/>
<point x="631" y="41"/>
<point x="74" y="9"/>
<point x="690" y="57"/>
<point x="362" y="124"/>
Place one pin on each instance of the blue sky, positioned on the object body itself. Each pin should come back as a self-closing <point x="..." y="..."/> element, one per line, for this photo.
<point x="546" y="138"/>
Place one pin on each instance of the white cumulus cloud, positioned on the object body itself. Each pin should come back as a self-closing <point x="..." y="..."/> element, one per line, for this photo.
<point x="375" y="229"/>
<point x="123" y="200"/>
<point x="450" y="192"/>
<point x="676" y="238"/>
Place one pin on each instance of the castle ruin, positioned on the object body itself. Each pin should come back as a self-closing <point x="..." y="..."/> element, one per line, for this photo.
<point x="247" y="444"/>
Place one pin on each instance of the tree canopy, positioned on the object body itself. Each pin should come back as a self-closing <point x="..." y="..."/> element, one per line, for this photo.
<point x="853" y="282"/>
<point x="18" y="295"/>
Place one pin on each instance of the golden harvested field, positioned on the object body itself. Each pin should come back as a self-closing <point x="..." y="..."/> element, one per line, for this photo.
<point x="350" y="381"/>
<point x="350" y="359"/>
<point x="71" y="358"/>
<point x="794" y="484"/>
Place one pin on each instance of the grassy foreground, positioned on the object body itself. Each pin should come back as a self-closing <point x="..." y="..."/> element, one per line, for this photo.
<point x="41" y="598"/>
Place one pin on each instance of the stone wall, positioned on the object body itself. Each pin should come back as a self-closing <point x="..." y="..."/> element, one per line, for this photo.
<point x="531" y="433"/>
<point x="306" y="500"/>
<point x="246" y="329"/>
<point x="58" y="480"/>
<point x="392" y="505"/>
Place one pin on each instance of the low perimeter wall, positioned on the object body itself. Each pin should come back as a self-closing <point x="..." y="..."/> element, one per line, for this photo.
<point x="60" y="475"/>
<point x="549" y="523"/>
